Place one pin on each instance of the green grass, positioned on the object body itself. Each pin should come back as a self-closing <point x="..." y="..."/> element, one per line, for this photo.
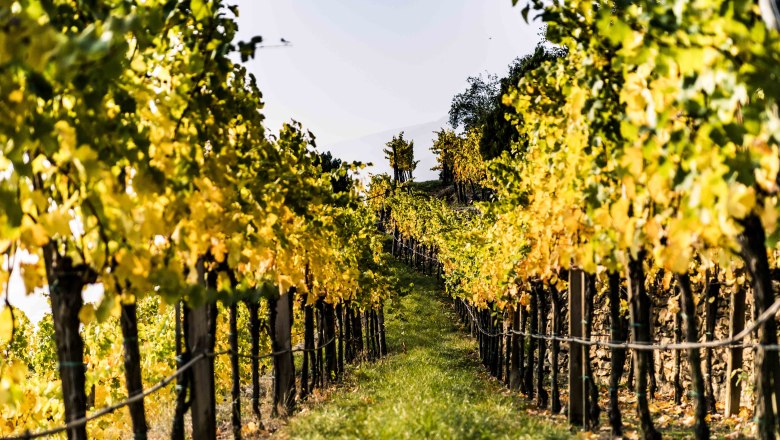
<point x="430" y="187"/>
<point x="430" y="386"/>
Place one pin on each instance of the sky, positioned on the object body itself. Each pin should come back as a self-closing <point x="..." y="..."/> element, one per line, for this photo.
<point x="356" y="68"/>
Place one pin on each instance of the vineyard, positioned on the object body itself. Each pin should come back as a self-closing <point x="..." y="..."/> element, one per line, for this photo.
<point x="605" y="226"/>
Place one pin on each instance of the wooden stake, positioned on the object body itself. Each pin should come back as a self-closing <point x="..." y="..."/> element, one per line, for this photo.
<point x="734" y="362"/>
<point x="576" y="383"/>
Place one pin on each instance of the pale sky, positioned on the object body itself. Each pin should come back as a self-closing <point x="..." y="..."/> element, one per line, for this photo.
<point x="358" y="67"/>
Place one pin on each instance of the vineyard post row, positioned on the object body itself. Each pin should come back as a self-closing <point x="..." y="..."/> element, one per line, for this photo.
<point x="508" y="343"/>
<point x="344" y="334"/>
<point x="340" y="331"/>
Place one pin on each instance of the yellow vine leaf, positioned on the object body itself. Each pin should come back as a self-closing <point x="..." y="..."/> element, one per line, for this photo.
<point x="741" y="200"/>
<point x="619" y="213"/>
<point x="56" y="222"/>
<point x="33" y="235"/>
<point x="6" y="325"/>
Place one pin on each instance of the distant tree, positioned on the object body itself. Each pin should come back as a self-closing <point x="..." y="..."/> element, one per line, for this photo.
<point x="480" y="106"/>
<point x="444" y="148"/>
<point x="340" y="179"/>
<point x="459" y="161"/>
<point x="468" y="167"/>
<point x="472" y="107"/>
<point x="400" y="154"/>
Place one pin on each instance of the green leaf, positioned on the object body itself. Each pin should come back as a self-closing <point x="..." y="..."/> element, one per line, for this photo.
<point x="87" y="313"/>
<point x="628" y="130"/>
<point x="196" y="295"/>
<point x="618" y="32"/>
<point x="10" y="206"/>
<point x="103" y="311"/>
<point x="267" y="290"/>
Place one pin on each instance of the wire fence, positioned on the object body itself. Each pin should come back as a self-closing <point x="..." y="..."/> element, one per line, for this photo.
<point x="153" y="389"/>
<point x="426" y="257"/>
<point x="731" y="342"/>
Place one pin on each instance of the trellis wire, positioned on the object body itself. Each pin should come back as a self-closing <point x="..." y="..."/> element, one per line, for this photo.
<point x="731" y="342"/>
<point x="156" y="387"/>
<point x="419" y="254"/>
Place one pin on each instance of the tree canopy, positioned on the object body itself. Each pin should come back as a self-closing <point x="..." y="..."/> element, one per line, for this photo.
<point x="400" y="154"/>
<point x="480" y="105"/>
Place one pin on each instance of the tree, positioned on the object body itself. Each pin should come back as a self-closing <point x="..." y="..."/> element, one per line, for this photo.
<point x="400" y="154"/>
<point x="338" y="170"/>
<point x="471" y="107"/>
<point x="444" y="148"/>
<point x="481" y="104"/>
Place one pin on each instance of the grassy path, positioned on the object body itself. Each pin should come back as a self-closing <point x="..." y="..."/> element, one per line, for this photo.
<point x="430" y="386"/>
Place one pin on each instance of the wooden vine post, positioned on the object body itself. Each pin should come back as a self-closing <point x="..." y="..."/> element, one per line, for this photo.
<point x="348" y="335"/>
<point x="202" y="325"/>
<point x="541" y="393"/>
<point x="555" y="394"/>
<point x="522" y="318"/>
<point x="201" y="340"/>
<point x="507" y="329"/>
<point x="618" y="332"/>
<point x="66" y="283"/>
<point x="734" y="361"/>
<point x="235" y="392"/>
<point x="331" y="360"/>
<point x="357" y="333"/>
<point x="340" y="319"/>
<point x="235" y="373"/>
<point x="183" y="356"/>
<point x="533" y="326"/>
<point x="204" y="423"/>
<point x="382" y="335"/>
<point x="254" y="329"/>
<point x="308" y="346"/>
<point x="576" y="384"/>
<point x="712" y="291"/>
<point x="132" y="360"/>
<point x="676" y="375"/>
<point x="688" y="308"/>
<point x="592" y="408"/>
<point x="280" y="326"/>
